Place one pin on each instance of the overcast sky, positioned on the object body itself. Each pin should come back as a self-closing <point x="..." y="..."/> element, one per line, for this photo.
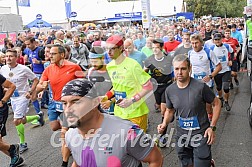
<point x="53" y="11"/>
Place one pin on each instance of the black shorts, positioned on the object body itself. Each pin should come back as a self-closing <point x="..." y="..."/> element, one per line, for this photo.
<point x="234" y="66"/>
<point x="199" y="155"/>
<point x="3" y="118"/>
<point x="221" y="78"/>
<point x="160" y="93"/>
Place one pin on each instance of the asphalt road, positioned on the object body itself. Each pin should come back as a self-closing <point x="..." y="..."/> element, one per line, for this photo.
<point x="233" y="147"/>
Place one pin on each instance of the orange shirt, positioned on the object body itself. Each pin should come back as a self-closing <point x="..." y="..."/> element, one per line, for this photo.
<point x="59" y="76"/>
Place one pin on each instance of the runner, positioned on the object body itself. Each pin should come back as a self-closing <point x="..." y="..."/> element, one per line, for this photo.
<point x="236" y="47"/>
<point x="13" y="149"/>
<point x="80" y="95"/>
<point x="98" y="72"/>
<point x="202" y="61"/>
<point x="160" y="67"/>
<point x="19" y="75"/>
<point x="223" y="78"/>
<point x="130" y="84"/>
<point x="66" y="71"/>
<point x="185" y="46"/>
<point x="131" y="52"/>
<point x="191" y="115"/>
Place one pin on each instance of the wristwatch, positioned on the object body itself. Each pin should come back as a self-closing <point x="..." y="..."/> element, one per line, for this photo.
<point x="213" y="128"/>
<point x="210" y="76"/>
<point x="133" y="99"/>
<point x="3" y="102"/>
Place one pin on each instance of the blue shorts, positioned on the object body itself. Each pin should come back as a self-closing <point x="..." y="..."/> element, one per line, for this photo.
<point x="52" y="113"/>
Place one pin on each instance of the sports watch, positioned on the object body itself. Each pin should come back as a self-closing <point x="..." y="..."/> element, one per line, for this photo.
<point x="213" y="128"/>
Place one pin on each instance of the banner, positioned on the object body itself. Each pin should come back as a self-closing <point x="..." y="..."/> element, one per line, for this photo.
<point x="13" y="37"/>
<point x="25" y="3"/>
<point x="2" y="36"/>
<point x="68" y="8"/>
<point x="146" y="13"/>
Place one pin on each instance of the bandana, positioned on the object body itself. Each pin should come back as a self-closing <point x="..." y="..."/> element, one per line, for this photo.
<point x="79" y="87"/>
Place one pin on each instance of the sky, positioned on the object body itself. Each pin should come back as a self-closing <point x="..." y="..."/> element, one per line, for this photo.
<point x="53" y="11"/>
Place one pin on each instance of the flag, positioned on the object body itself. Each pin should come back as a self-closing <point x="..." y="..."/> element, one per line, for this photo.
<point x="25" y="3"/>
<point x="68" y="8"/>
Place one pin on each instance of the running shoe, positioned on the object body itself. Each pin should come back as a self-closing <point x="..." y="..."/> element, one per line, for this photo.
<point x="19" y="162"/>
<point x="236" y="82"/>
<point x="23" y="148"/>
<point x="231" y="86"/>
<point x="41" y="118"/>
<point x="15" y="155"/>
<point x="222" y="101"/>
<point x="162" y="141"/>
<point x="227" y="106"/>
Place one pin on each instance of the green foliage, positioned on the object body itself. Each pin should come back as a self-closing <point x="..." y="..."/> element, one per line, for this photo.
<point x="223" y="8"/>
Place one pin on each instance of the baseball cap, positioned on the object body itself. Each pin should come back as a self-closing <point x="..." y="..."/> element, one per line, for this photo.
<point x="79" y="87"/>
<point x="158" y="40"/>
<point x="214" y="32"/>
<point x="217" y="36"/>
<point x="115" y="40"/>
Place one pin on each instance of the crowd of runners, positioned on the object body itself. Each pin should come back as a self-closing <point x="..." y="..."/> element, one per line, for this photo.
<point x="95" y="81"/>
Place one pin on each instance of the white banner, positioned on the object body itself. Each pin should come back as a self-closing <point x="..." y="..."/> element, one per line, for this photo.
<point x="248" y="10"/>
<point x="249" y="2"/>
<point x="146" y="13"/>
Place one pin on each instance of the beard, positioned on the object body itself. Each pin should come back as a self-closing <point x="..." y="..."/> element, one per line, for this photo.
<point x="74" y="125"/>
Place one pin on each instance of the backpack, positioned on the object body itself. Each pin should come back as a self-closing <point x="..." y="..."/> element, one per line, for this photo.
<point x="41" y="53"/>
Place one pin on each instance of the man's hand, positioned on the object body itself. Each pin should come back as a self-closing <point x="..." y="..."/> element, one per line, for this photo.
<point x="230" y="63"/>
<point x="161" y="128"/>
<point x="35" y="61"/>
<point x="28" y="95"/>
<point x="105" y="104"/>
<point x="125" y="103"/>
<point x="1" y="104"/>
<point x="206" y="79"/>
<point x="211" y="136"/>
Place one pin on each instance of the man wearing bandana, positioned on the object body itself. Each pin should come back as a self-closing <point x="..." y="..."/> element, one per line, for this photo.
<point x="95" y="138"/>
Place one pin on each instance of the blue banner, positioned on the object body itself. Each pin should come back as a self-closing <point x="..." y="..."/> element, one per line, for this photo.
<point x="25" y="3"/>
<point x="68" y="8"/>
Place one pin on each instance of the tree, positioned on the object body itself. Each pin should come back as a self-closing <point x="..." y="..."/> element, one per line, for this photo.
<point x="223" y="8"/>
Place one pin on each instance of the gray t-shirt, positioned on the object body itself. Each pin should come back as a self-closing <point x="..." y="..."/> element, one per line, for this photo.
<point x="104" y="86"/>
<point x="189" y="102"/>
<point x="117" y="143"/>
<point x="161" y="70"/>
<point x="182" y="50"/>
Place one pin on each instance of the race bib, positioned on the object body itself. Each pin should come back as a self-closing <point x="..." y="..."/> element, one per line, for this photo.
<point x="59" y="106"/>
<point x="191" y="123"/>
<point x="199" y="76"/>
<point x="120" y="95"/>
<point x="15" y="94"/>
<point x="110" y="110"/>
